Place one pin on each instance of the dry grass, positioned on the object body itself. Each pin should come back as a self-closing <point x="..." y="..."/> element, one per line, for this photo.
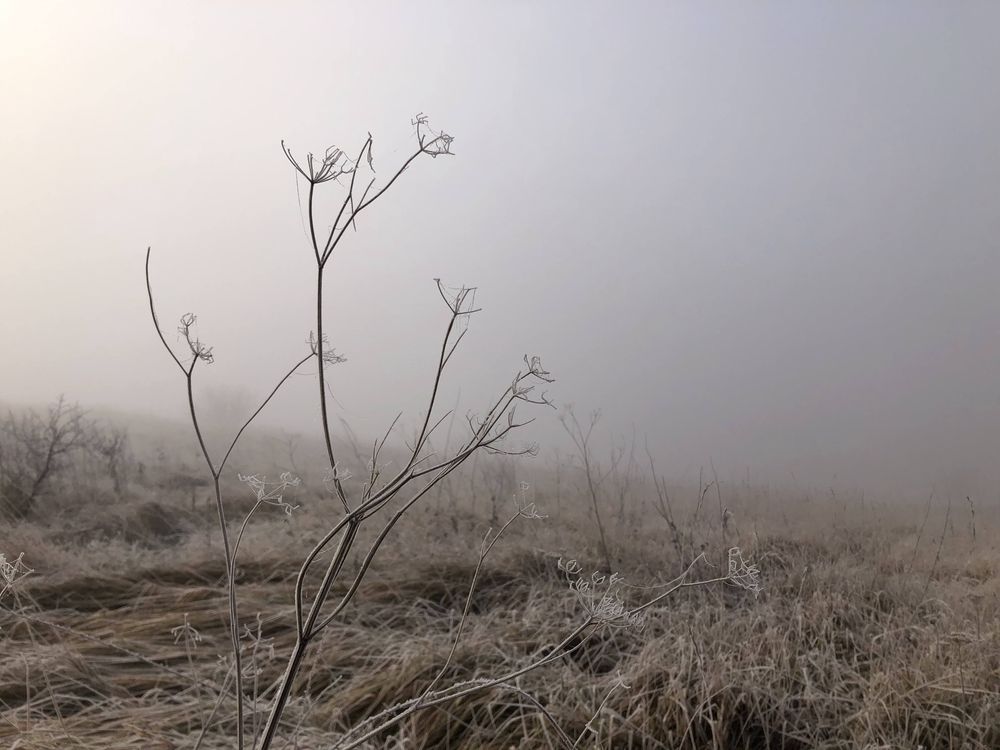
<point x="856" y="642"/>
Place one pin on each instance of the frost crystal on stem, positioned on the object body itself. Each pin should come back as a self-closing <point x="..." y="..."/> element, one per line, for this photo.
<point x="600" y="596"/>
<point x="743" y="574"/>
<point x="198" y="349"/>
<point x="272" y="493"/>
<point x="11" y="572"/>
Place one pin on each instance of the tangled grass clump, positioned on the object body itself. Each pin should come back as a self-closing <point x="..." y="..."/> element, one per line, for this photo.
<point x="123" y="654"/>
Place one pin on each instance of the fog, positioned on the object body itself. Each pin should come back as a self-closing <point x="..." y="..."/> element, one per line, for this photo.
<point x="762" y="234"/>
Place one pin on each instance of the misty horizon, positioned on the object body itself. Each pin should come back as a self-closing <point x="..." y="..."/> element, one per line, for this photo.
<point x="763" y="237"/>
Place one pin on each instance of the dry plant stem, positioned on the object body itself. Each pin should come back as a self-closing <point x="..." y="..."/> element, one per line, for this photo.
<point x="920" y="534"/>
<point x="972" y="516"/>
<point x="322" y="257"/>
<point x="488" y="544"/>
<point x="462" y="690"/>
<point x="624" y="480"/>
<point x="419" y="475"/>
<point x="307" y="627"/>
<point x="481" y="438"/>
<point x="353" y="519"/>
<point x="702" y="491"/>
<point x="324" y="411"/>
<point x="581" y="439"/>
<point x="663" y="505"/>
<point x="216" y="473"/>
<point x="589" y="726"/>
<point x="718" y="495"/>
<point x="937" y="557"/>
<point x="372" y="503"/>
<point x="234" y="634"/>
<point x="348" y="527"/>
<point x="215" y="709"/>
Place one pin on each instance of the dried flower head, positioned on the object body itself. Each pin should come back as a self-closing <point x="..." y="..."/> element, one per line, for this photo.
<point x="198" y="349"/>
<point x="535" y="368"/>
<point x="259" y="648"/>
<point x="461" y="300"/>
<point x="434" y="143"/>
<point x="524" y="507"/>
<point x="186" y="632"/>
<point x="743" y="574"/>
<point x="600" y="596"/>
<point x="332" y="165"/>
<point x="330" y="357"/>
<point x="272" y="493"/>
<point x="525" y="382"/>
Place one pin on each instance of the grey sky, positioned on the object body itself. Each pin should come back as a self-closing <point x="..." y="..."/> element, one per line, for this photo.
<point x="763" y="233"/>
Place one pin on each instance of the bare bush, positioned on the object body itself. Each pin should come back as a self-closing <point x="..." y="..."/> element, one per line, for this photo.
<point x="37" y="450"/>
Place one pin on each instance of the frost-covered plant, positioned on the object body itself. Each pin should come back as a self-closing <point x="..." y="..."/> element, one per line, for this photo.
<point x="398" y="490"/>
<point x="600" y="596"/>
<point x="11" y="571"/>
<point x="188" y="635"/>
<point x="603" y="606"/>
<point x="323" y="587"/>
<point x="272" y="493"/>
<point x="743" y="574"/>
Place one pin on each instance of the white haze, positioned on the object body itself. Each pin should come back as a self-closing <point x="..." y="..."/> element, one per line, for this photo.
<point x="764" y="234"/>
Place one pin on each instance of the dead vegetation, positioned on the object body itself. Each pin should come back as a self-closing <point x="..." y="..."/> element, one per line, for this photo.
<point x="843" y="648"/>
<point x="226" y="610"/>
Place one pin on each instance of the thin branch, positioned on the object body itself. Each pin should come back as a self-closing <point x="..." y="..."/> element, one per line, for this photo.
<point x="264" y="403"/>
<point x="156" y="322"/>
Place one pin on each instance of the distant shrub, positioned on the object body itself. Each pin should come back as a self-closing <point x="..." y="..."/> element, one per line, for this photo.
<point x="38" y="450"/>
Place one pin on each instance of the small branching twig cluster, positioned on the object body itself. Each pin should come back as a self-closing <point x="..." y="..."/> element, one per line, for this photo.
<point x="743" y="574"/>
